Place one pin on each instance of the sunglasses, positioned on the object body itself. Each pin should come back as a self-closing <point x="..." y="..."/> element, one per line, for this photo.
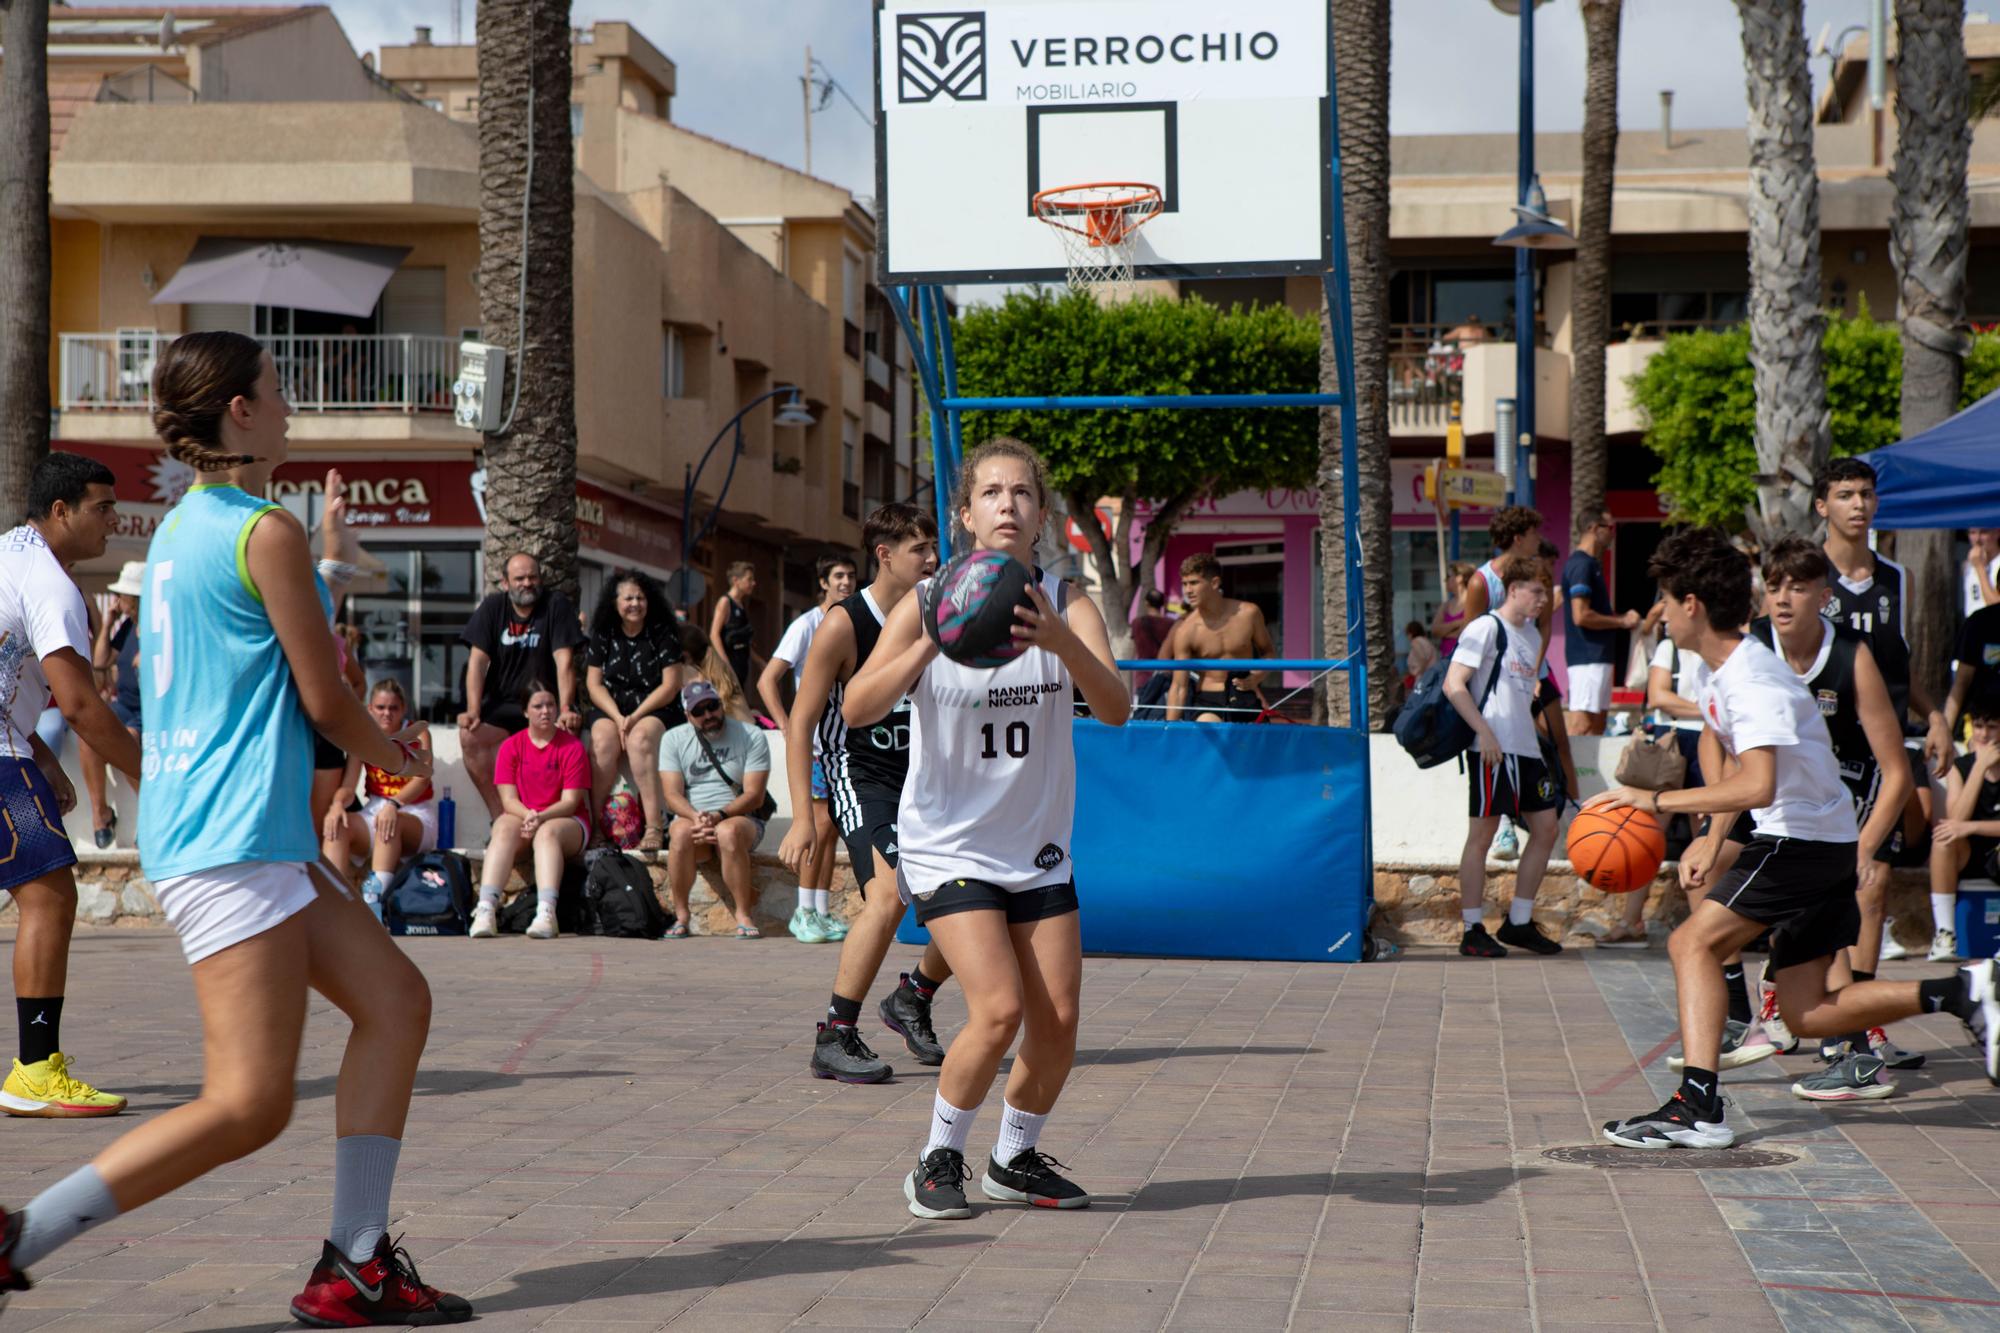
<point x="703" y="710"/>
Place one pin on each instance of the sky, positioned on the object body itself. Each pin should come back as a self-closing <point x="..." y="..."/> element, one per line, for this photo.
<point x="739" y="64"/>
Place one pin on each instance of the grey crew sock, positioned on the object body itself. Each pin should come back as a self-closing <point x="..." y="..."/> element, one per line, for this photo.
<point x="61" y="1213"/>
<point x="364" y="1171"/>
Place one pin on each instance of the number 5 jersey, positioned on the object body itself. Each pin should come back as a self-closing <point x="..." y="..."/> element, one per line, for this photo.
<point x="991" y="791"/>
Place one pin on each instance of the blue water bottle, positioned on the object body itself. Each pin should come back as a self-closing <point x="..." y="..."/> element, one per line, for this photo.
<point x="447" y="820"/>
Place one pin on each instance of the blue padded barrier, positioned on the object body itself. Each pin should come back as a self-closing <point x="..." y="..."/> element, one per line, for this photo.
<point x="1219" y="841"/>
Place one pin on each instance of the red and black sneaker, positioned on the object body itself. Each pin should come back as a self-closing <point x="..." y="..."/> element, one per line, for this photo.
<point x="11" y="1278"/>
<point x="385" y="1290"/>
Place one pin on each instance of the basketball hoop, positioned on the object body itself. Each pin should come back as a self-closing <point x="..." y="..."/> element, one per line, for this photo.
<point x="1096" y="224"/>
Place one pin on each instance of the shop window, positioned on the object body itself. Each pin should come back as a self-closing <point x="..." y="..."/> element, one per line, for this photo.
<point x="673" y="370"/>
<point x="410" y="629"/>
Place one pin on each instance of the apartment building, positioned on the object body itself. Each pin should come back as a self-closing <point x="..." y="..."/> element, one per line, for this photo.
<point x="195" y="146"/>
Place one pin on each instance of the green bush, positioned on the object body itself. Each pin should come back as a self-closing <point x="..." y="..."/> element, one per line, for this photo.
<point x="1698" y="398"/>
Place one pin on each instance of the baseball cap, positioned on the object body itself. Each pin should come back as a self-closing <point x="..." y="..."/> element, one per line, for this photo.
<point x="696" y="693"/>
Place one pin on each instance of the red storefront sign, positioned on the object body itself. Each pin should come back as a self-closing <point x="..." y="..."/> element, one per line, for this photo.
<point x="388" y="493"/>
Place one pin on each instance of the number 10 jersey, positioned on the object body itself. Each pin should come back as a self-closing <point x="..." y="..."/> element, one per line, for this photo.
<point x="991" y="792"/>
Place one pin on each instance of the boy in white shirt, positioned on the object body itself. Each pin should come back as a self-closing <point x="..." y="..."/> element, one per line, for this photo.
<point x="1497" y="662"/>
<point x="1797" y="876"/>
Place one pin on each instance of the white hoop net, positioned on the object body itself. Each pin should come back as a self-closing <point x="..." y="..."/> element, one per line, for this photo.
<point x="1097" y="225"/>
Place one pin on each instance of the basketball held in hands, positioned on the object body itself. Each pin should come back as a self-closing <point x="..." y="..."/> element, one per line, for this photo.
<point x="1616" y="851"/>
<point x="969" y="608"/>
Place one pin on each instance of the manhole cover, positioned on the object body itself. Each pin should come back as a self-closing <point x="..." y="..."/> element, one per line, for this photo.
<point x="1668" y="1159"/>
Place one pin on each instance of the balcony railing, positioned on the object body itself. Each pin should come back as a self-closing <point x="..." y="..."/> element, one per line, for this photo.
<point x="387" y="372"/>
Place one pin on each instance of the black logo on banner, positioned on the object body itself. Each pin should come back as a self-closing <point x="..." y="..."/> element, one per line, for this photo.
<point x="941" y="55"/>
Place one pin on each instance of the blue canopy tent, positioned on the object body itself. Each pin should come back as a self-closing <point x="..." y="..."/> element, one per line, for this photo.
<point x="1947" y="477"/>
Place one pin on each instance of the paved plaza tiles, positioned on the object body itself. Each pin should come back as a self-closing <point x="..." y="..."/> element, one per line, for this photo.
<point x="621" y="1135"/>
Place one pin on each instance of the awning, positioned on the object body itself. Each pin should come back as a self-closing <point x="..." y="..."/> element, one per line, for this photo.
<point x="327" y="276"/>
<point x="1947" y="477"/>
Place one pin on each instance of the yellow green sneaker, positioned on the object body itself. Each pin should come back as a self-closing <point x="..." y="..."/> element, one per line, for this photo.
<point x="48" y="1089"/>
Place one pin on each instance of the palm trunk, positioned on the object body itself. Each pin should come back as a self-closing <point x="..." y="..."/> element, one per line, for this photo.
<point x="1361" y="64"/>
<point x="24" y="250"/>
<point x="524" y="56"/>
<point x="1786" y="322"/>
<point x="1929" y="238"/>
<point x="1591" y="304"/>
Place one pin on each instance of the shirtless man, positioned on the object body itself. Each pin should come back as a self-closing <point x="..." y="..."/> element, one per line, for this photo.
<point x="1216" y="627"/>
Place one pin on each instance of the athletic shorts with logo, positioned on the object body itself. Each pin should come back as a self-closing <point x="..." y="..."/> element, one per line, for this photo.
<point x="32" y="843"/>
<point x="1802" y="890"/>
<point x="867" y="827"/>
<point x="1516" y="786"/>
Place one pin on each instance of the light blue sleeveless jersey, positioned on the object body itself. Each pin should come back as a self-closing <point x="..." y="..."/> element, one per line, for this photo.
<point x="228" y="747"/>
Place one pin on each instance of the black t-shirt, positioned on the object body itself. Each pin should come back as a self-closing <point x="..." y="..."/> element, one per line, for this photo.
<point x="1988" y="805"/>
<point x="1979" y="647"/>
<point x="1876" y="610"/>
<point x="633" y="664"/>
<point x="737" y="633"/>
<point x="522" y="646"/>
<point x="125" y="643"/>
<point x="1583" y="576"/>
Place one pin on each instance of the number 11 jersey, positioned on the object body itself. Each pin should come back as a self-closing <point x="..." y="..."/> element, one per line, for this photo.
<point x="991" y="793"/>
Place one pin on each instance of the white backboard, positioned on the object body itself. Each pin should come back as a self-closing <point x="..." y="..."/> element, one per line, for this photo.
<point x="1223" y="106"/>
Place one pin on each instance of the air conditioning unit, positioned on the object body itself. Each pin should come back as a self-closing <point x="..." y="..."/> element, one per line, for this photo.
<point x="475" y="394"/>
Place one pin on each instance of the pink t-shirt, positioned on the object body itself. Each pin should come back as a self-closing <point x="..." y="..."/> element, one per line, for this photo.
<point x="540" y="775"/>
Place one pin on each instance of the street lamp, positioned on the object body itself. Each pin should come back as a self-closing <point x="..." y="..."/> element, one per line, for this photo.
<point x="1535" y="231"/>
<point x="791" y="412"/>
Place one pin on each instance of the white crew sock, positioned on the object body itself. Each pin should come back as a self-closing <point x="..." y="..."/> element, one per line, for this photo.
<point x="1019" y="1131"/>
<point x="364" y="1172"/>
<point x="819" y="902"/>
<point x="950" y="1125"/>
<point x="1472" y="916"/>
<point x="805" y="898"/>
<point x="1944" y="911"/>
<point x="1520" y="911"/>
<point x="61" y="1213"/>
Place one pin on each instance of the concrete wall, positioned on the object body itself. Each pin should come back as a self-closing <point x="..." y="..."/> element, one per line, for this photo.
<point x="308" y="59"/>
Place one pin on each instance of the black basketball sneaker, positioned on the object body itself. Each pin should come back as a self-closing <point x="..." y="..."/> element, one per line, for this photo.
<point x="937" y="1187"/>
<point x="908" y="1015"/>
<point x="1031" y="1178"/>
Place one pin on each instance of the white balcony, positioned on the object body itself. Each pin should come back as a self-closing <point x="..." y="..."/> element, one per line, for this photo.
<point x="375" y="373"/>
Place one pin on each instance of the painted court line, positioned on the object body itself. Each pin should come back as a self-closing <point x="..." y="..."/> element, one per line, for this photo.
<point x="541" y="1030"/>
<point x="1645" y="1061"/>
<point x="1884" y="1295"/>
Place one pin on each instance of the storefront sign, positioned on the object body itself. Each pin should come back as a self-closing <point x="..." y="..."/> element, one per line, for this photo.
<point x="622" y="526"/>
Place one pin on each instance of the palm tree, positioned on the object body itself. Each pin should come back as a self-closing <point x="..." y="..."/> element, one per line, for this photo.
<point x="1786" y="321"/>
<point x="24" y="249"/>
<point x="1928" y="242"/>
<point x="1591" y="302"/>
<point x="1361" y="67"/>
<point x="524" y="91"/>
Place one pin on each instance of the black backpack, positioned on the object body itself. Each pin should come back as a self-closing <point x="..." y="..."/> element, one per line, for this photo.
<point x="518" y="915"/>
<point x="1428" y="727"/>
<point x="431" y="895"/>
<point x="619" y="900"/>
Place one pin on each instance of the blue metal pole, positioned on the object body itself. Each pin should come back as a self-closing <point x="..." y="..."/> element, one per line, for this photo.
<point x="1524" y="275"/>
<point x="927" y="374"/>
<point x="954" y="419"/>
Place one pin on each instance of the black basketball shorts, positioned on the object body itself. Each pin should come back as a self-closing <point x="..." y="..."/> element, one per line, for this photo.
<point x="1516" y="786"/>
<point x="1804" y="891"/>
<point x="871" y="829"/>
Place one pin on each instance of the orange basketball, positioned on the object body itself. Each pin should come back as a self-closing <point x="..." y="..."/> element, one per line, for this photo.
<point x="1617" y="851"/>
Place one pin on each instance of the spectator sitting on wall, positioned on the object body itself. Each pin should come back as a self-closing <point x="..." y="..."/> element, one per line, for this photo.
<point x="520" y="634"/>
<point x="632" y="670"/>
<point x="714" y="770"/>
<point x="543" y="777"/>
<point x="396" y="819"/>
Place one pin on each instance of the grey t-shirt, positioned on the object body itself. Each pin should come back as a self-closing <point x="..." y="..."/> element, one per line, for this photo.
<point x="741" y="748"/>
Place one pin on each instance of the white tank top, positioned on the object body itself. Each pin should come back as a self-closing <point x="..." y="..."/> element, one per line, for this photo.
<point x="992" y="787"/>
<point x="1496" y="591"/>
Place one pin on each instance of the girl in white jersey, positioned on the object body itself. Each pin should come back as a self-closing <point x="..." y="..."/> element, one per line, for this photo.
<point x="239" y="670"/>
<point x="984" y="838"/>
